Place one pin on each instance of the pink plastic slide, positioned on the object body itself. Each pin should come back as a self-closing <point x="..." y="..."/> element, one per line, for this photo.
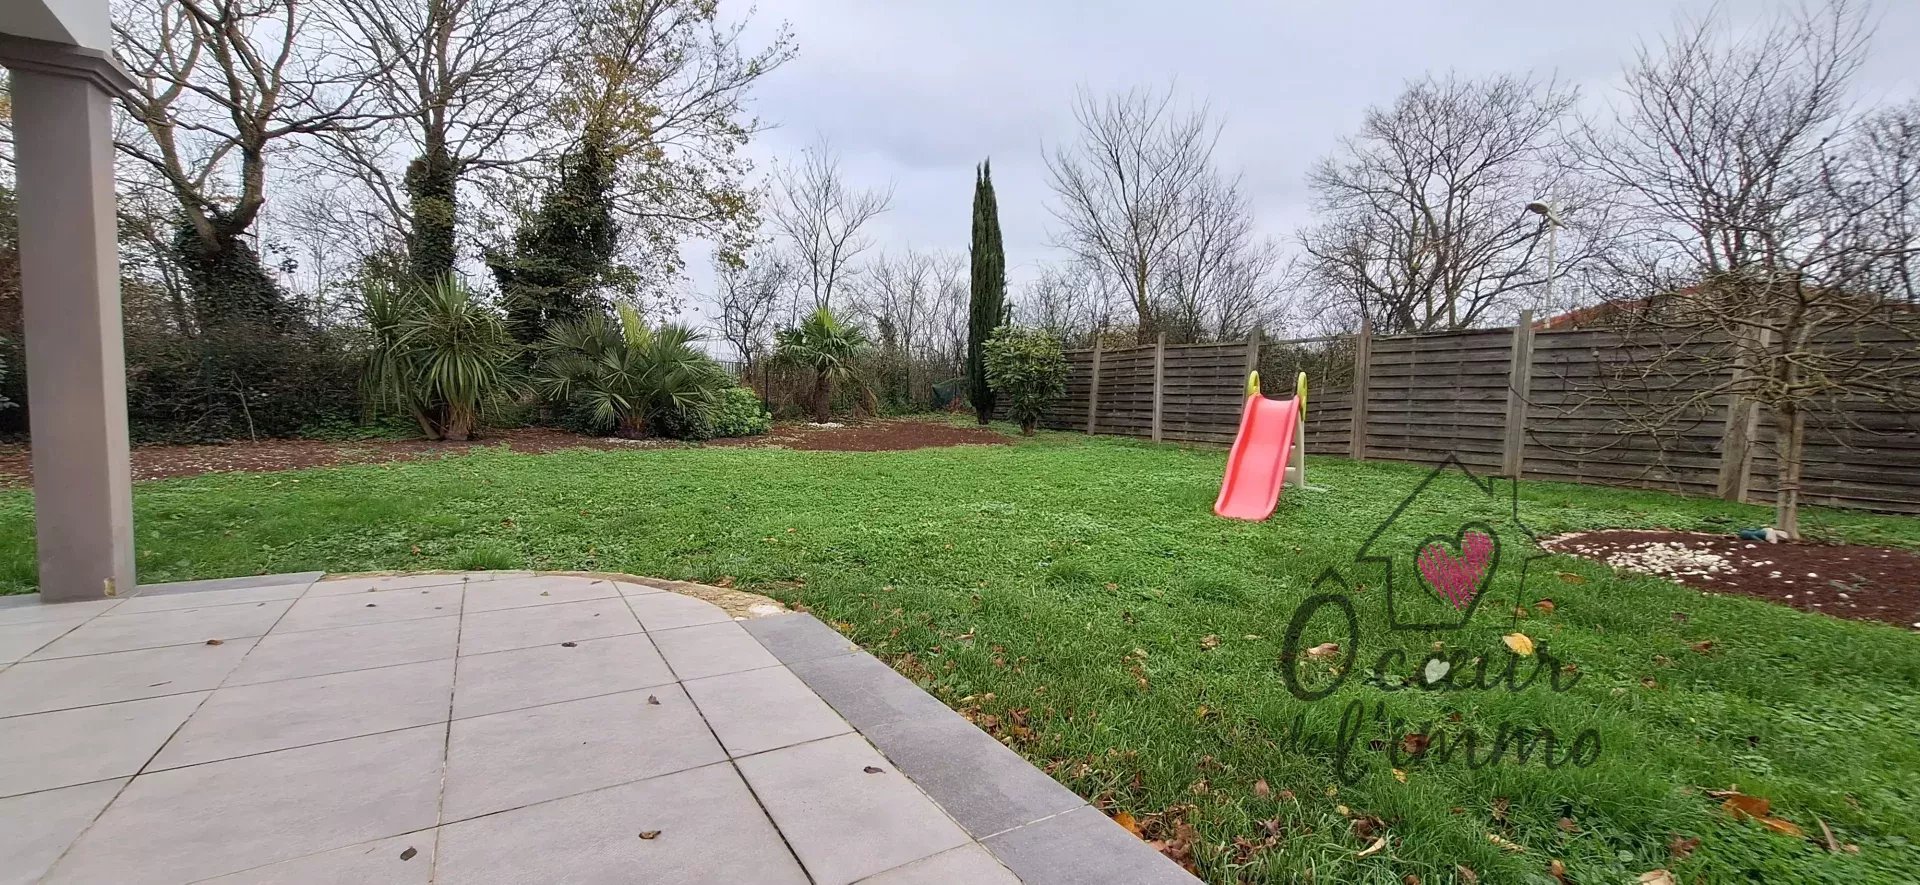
<point x="1257" y="466"/>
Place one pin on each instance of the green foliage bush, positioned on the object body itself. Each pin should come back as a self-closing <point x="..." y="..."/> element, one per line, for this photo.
<point x="438" y="354"/>
<point x="740" y="414"/>
<point x="1026" y="367"/>
<point x="627" y="378"/>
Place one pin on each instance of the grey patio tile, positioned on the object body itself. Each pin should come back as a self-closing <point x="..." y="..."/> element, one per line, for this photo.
<point x="764" y="709"/>
<point x="208" y="820"/>
<point x="298" y="580"/>
<point x="666" y="611"/>
<point x="19" y="640"/>
<point x="377" y="583"/>
<point x="319" y="652"/>
<point x="475" y="577"/>
<point x="1083" y="847"/>
<point x="517" y="758"/>
<point x="798" y="636"/>
<point x="29" y="609"/>
<point x="710" y="831"/>
<point x="710" y="650"/>
<point x="48" y="750"/>
<point x="324" y="612"/>
<point x="37" y="686"/>
<point x="41" y="825"/>
<point x="483" y="632"/>
<point x="486" y="596"/>
<point x="844" y="822"/>
<point x="117" y="632"/>
<point x="204" y="598"/>
<point x="985" y="786"/>
<point x="636" y="588"/>
<point x="248" y="719"/>
<point x="866" y="691"/>
<point x="969" y="864"/>
<point x="544" y="674"/>
<point x="369" y="863"/>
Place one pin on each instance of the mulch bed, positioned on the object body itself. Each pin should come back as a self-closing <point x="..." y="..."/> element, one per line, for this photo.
<point x="879" y="436"/>
<point x="1861" y="583"/>
<point x="164" y="462"/>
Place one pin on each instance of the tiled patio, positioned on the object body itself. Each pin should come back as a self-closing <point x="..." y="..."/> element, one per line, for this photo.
<point x="497" y="727"/>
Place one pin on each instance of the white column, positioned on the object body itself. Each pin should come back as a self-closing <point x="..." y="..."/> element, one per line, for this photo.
<point x="76" y="364"/>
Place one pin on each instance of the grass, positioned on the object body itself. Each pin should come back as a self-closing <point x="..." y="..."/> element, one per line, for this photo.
<point x="1077" y="597"/>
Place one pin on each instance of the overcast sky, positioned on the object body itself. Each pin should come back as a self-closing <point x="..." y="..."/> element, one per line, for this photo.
<point x="914" y="92"/>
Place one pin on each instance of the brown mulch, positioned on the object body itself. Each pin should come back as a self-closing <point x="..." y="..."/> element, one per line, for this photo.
<point x="165" y="462"/>
<point x="1861" y="583"/>
<point x="878" y="436"/>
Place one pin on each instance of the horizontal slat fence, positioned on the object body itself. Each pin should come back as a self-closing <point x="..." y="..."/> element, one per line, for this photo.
<point x="1592" y="409"/>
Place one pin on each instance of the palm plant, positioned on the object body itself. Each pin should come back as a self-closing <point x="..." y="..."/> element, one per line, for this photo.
<point x="438" y="354"/>
<point x="625" y="373"/>
<point x="825" y="346"/>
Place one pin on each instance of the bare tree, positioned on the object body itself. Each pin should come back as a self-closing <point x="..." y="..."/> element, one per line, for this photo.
<point x="664" y="85"/>
<point x="1768" y="252"/>
<point x="1124" y="191"/>
<point x="1421" y="216"/>
<point x="821" y="215"/>
<point x="221" y="85"/>
<point x="1067" y="299"/>
<point x="1220" y="282"/>
<point x="749" y="298"/>
<point x="460" y="80"/>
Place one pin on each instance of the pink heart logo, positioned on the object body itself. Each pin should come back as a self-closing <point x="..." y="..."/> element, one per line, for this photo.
<point x="1457" y="578"/>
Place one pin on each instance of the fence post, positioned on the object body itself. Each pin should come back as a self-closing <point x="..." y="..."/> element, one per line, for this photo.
<point x="1093" y="388"/>
<point x="1519" y="379"/>
<point x="1743" y="422"/>
<point x="1159" y="379"/>
<point x="1253" y="352"/>
<point x="1362" y="355"/>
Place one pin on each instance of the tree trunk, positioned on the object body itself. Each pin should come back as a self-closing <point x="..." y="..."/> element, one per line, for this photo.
<point x="822" y="399"/>
<point x="1026" y="426"/>
<point x="460" y="423"/>
<point x="630" y="426"/>
<point x="1790" y="430"/>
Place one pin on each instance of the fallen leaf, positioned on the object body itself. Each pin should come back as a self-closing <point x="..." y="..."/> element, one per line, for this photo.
<point x="1399" y="775"/>
<point x="569" y="645"/>
<point x="873" y="769"/>
<point x="653" y="700"/>
<point x="1127" y="823"/>
<point x="409" y="853"/>
<point x="1508" y="844"/>
<point x="1704" y="646"/>
<point x="1571" y="578"/>
<point x="1655" y="877"/>
<point x="1467" y="875"/>
<point x="1521" y="643"/>
<point x="1741" y="806"/>
<point x="1568" y="826"/>
<point x="1415" y="744"/>
<point x="215" y="642"/>
<point x="1557" y="870"/>
<point x="1410" y="879"/>
<point x="1520" y="611"/>
<point x="1261" y="789"/>
<point x="649" y="835"/>
<point x="1324" y="651"/>
<point x="1375" y="848"/>
<point x="1833" y="845"/>
<point x="1783" y="827"/>
<point x="1681" y="849"/>
<point x="1500" y="805"/>
<point x="1209" y="642"/>
<point x="1545" y="606"/>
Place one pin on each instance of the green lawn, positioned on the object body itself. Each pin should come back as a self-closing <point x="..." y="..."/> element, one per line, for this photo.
<point x="1078" y="597"/>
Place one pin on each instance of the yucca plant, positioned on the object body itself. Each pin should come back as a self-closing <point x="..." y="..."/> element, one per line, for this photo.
<point x="437" y="353"/>
<point x="626" y="374"/>
<point x="825" y="346"/>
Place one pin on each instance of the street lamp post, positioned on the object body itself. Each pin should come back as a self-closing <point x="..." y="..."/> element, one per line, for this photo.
<point x="1550" y="216"/>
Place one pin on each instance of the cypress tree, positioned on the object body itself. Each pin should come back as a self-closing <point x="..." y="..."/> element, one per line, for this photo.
<point x="565" y="248"/>
<point x="988" y="307"/>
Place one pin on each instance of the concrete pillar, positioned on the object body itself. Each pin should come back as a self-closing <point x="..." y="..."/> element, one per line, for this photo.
<point x="76" y="363"/>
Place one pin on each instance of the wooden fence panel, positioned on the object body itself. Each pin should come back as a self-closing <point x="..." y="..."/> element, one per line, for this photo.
<point x="1430" y="396"/>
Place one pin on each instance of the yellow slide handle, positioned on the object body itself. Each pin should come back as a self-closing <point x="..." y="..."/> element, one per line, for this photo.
<point x="1300" y="393"/>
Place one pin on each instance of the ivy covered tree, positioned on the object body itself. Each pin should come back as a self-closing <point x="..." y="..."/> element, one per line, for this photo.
<point x="1027" y="367"/>
<point x="988" y="306"/>
<point x="565" y="251"/>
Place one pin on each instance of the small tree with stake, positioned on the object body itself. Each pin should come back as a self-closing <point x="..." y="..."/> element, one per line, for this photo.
<point x="1027" y="368"/>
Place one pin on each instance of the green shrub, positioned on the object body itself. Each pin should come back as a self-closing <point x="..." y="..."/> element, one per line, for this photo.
<point x="1026" y="367"/>
<point x="438" y="354"/>
<point x="740" y="414"/>
<point x="626" y="378"/>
